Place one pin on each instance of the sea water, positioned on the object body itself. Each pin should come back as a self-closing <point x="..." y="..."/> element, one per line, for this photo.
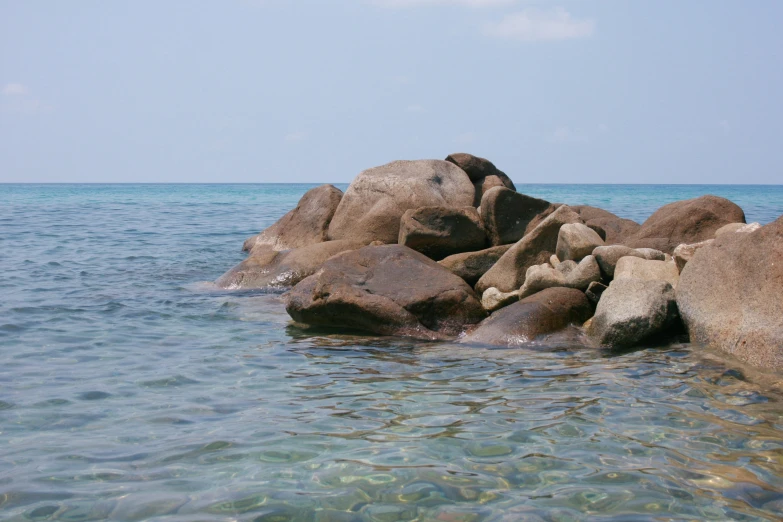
<point x="131" y="389"/>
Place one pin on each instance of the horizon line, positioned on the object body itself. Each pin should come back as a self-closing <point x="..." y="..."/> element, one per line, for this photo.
<point x="348" y="183"/>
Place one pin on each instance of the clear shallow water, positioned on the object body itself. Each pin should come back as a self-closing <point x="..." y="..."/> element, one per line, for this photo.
<point x="129" y="391"/>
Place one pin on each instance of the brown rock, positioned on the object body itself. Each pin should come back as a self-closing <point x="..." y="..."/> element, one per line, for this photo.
<point x="390" y="290"/>
<point x="616" y="229"/>
<point x="376" y="200"/>
<point x="542" y="313"/>
<point x="608" y="256"/>
<point x="484" y="184"/>
<point x="631" y="267"/>
<point x="438" y="232"/>
<point x="475" y="167"/>
<point x="731" y="296"/>
<point x="506" y="214"/>
<point x="575" y="241"/>
<point x="535" y="248"/>
<point x="470" y="266"/>
<point x="683" y="253"/>
<point x="689" y="221"/>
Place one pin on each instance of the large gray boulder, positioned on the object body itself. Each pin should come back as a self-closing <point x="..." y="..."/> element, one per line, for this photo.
<point x="616" y="229"/>
<point x="575" y="241"/>
<point x="306" y="224"/>
<point x="608" y="256"/>
<point x="689" y="221"/>
<point x="506" y="214"/>
<point x="542" y="313"/>
<point x="731" y="296"/>
<point x="375" y="201"/>
<point x="389" y="290"/>
<point x="632" y="311"/>
<point x="438" y="232"/>
<point x="535" y="248"/>
<point x="266" y="268"/>
<point x="470" y="266"/>
<point x="631" y="267"/>
<point x="578" y="276"/>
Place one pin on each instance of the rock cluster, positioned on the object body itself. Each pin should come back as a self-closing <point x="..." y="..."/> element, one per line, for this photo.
<point x="449" y="250"/>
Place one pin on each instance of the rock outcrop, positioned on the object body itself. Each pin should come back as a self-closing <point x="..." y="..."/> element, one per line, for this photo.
<point x="535" y="248"/>
<point x="542" y="313"/>
<point x="390" y="290"/>
<point x="731" y="295"/>
<point x="689" y="221"/>
<point x="375" y="201"/>
<point x="305" y="225"/>
<point x="470" y="266"/>
<point x="266" y="268"/>
<point x="438" y="232"/>
<point x="506" y="214"/>
<point x="575" y="241"/>
<point x="632" y="311"/>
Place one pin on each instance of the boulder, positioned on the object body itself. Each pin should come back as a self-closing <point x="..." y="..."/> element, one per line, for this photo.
<point x="493" y="299"/>
<point x="737" y="227"/>
<point x="631" y="267"/>
<point x="632" y="311"/>
<point x="475" y="167"/>
<point x="554" y="261"/>
<point x="689" y="221"/>
<point x="731" y="296"/>
<point x="683" y="253"/>
<point x="535" y="248"/>
<point x="389" y="290"/>
<point x="616" y="229"/>
<point x="272" y="269"/>
<point x="376" y="200"/>
<point x="575" y="241"/>
<point x="506" y="214"/>
<point x="542" y="313"/>
<point x="484" y="184"/>
<point x="608" y="256"/>
<point x="306" y="224"/>
<point x="567" y="274"/>
<point x="470" y="266"/>
<point x="438" y="232"/>
<point x="594" y="291"/>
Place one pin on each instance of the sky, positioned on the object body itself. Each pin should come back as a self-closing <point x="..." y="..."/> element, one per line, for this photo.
<point x="583" y="91"/>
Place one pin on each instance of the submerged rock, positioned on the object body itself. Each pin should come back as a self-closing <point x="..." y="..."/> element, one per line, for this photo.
<point x="731" y="295"/>
<point x="376" y="200"/>
<point x="575" y="241"/>
<point x="542" y="313"/>
<point x="506" y="214"/>
<point x="390" y="290"/>
<point x="470" y="266"/>
<point x="438" y="232"/>
<point x="273" y="269"/>
<point x="508" y="274"/>
<point x="633" y="310"/>
<point x="689" y="221"/>
<point x="304" y="225"/>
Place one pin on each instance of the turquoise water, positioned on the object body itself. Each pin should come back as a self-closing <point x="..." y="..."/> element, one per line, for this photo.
<point x="132" y="390"/>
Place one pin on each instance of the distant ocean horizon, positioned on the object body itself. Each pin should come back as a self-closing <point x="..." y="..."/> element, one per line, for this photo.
<point x="132" y="389"/>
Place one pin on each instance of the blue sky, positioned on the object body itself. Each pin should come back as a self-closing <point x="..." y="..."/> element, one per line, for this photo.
<point x="587" y="91"/>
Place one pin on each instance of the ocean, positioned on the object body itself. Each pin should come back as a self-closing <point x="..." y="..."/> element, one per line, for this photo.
<point x="132" y="389"/>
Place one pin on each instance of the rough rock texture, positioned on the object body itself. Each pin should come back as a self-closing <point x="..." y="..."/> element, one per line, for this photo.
<point x="616" y="229"/>
<point x="594" y="291"/>
<point x="608" y="256"/>
<point x="575" y="241"/>
<point x="388" y="289"/>
<point x="506" y="214"/>
<point x="376" y="200"/>
<point x="631" y="311"/>
<point x="731" y="296"/>
<point x="304" y="225"/>
<point x="438" y="232"/>
<point x="272" y="269"/>
<point x="484" y="184"/>
<point x="737" y="227"/>
<point x="476" y="168"/>
<point x="689" y="221"/>
<point x="578" y="276"/>
<point x="683" y="253"/>
<point x="470" y="266"/>
<point x="535" y="248"/>
<point x="545" y="312"/>
<point x="631" y="267"/>
<point x="493" y="299"/>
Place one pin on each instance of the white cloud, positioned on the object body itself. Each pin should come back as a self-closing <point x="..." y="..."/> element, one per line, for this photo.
<point x="536" y="25"/>
<point x="565" y="134"/>
<point x="14" y="89"/>
<point x="297" y="136"/>
<point x="419" y="3"/>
